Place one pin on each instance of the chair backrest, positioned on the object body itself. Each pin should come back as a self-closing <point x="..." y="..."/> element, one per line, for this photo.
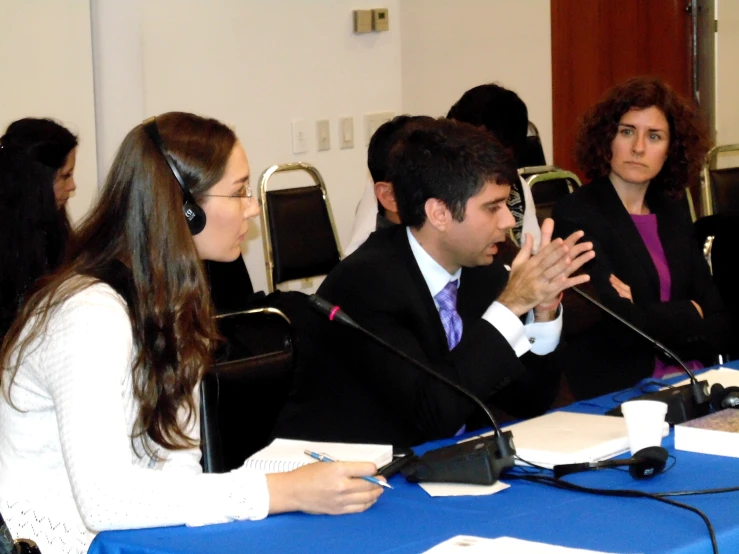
<point x="243" y="393"/>
<point x="300" y="238"/>
<point x="719" y="187"/>
<point x="548" y="184"/>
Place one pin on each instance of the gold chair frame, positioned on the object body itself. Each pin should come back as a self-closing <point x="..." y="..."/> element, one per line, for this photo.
<point x="707" y="207"/>
<point x="266" y="233"/>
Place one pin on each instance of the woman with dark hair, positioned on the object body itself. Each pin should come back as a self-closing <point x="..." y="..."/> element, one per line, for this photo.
<point x="98" y="417"/>
<point x="38" y="164"/>
<point x="641" y="146"/>
<point x="30" y="229"/>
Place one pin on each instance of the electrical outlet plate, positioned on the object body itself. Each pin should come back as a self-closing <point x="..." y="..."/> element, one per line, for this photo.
<point x="346" y="132"/>
<point x="372" y="121"/>
<point x="380" y="19"/>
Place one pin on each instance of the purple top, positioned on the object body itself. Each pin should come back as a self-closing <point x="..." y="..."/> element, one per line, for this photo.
<point x="647" y="227"/>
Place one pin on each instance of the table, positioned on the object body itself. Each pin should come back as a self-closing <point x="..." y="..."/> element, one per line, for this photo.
<point x="407" y="520"/>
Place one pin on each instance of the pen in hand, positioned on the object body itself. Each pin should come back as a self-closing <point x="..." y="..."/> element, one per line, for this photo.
<point x="326" y="458"/>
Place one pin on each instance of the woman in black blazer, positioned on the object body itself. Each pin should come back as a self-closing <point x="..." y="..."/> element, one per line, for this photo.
<point x="641" y="146"/>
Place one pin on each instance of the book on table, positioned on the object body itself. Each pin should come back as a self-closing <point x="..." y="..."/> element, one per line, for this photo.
<point x="716" y="433"/>
<point x="288" y="454"/>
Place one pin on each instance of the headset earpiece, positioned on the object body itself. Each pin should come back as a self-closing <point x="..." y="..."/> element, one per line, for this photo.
<point x="722" y="398"/>
<point x="648" y="462"/>
<point x="194" y="214"/>
<point x="644" y="464"/>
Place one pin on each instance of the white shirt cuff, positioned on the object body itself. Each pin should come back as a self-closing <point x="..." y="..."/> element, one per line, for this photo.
<point x="508" y="325"/>
<point x="543" y="337"/>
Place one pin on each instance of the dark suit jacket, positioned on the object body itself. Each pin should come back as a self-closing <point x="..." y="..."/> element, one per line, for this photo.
<point x="605" y="356"/>
<point x="348" y="388"/>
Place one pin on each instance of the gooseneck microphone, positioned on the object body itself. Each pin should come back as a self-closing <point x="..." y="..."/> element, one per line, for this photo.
<point x="477" y="461"/>
<point x="679" y="409"/>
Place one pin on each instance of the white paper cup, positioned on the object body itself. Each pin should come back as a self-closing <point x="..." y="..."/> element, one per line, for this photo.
<point x="644" y="423"/>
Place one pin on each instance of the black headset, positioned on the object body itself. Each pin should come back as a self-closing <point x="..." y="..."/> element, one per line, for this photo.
<point x="722" y="398"/>
<point x="194" y="214"/>
<point x="644" y="464"/>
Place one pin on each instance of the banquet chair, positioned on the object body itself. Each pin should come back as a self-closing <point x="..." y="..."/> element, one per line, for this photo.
<point x="243" y="392"/>
<point x="533" y="153"/>
<point x="298" y="229"/>
<point x="17" y="546"/>
<point x="548" y="183"/>
<point x="719" y="186"/>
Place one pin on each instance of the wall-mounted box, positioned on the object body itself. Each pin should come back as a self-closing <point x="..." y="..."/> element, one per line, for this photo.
<point x="380" y="19"/>
<point x="362" y="21"/>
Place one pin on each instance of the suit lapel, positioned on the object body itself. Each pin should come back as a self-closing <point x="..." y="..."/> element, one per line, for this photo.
<point x="612" y="210"/>
<point x="419" y="294"/>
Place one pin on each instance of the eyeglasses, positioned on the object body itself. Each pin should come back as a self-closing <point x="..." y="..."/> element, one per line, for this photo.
<point x="243" y="192"/>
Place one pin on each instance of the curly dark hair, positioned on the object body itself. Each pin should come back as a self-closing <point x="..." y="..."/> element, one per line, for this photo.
<point x="689" y="139"/>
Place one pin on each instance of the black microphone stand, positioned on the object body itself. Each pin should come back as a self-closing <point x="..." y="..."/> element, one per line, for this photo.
<point x="480" y="460"/>
<point x="683" y="403"/>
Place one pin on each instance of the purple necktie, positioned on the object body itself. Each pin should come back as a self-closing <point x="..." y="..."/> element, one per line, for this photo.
<point x="450" y="319"/>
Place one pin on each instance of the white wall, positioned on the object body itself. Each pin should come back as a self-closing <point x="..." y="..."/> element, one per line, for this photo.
<point x="256" y="65"/>
<point x="727" y="77"/>
<point x="46" y="71"/>
<point x="449" y="47"/>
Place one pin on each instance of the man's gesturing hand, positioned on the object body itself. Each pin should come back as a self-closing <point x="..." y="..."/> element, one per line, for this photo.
<point x="540" y="278"/>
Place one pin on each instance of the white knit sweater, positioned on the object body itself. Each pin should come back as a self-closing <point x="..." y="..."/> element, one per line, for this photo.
<point x="67" y="465"/>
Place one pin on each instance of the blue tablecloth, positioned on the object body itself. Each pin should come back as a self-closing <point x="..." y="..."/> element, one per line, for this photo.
<point x="407" y="520"/>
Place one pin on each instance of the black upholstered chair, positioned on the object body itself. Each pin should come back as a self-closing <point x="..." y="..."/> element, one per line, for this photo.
<point x="533" y="153"/>
<point x="720" y="186"/>
<point x="548" y="183"/>
<point x="300" y="238"/>
<point x="244" y="391"/>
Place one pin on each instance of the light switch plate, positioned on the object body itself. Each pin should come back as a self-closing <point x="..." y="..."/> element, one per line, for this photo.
<point x="372" y="121"/>
<point x="346" y="132"/>
<point x="323" y="135"/>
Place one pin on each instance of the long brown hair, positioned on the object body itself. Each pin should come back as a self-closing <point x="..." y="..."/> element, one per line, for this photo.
<point x="689" y="139"/>
<point x="138" y="222"/>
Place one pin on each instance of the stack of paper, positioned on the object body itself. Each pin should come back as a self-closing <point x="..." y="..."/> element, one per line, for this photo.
<point x="287" y="454"/>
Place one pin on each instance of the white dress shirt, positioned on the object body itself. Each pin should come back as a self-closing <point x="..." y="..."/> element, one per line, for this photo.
<point x="540" y="338"/>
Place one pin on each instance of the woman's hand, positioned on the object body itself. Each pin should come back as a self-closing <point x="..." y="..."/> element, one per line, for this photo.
<point x="324" y="488"/>
<point x="623" y="290"/>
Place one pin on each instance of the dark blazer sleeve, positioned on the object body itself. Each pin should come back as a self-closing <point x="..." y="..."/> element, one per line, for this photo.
<point x="620" y="251"/>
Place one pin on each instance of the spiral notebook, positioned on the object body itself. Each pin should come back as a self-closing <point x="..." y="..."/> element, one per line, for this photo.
<point x="288" y="454"/>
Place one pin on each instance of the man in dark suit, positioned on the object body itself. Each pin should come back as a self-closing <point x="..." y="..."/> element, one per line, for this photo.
<point x="451" y="183"/>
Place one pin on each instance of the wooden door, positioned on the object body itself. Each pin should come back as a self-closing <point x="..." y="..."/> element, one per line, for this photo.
<point x="599" y="43"/>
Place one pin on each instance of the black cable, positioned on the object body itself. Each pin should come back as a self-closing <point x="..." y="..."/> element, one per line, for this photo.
<point x="698" y="492"/>
<point x="561" y="484"/>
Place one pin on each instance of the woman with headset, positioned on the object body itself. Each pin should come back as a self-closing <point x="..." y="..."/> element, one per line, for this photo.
<point x="641" y="146"/>
<point x="37" y="159"/>
<point x="98" y="417"/>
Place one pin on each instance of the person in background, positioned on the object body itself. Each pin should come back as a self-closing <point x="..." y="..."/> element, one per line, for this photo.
<point x="378" y="208"/>
<point x="37" y="159"/>
<point x="98" y="412"/>
<point x="641" y="146"/>
<point x="502" y="112"/>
